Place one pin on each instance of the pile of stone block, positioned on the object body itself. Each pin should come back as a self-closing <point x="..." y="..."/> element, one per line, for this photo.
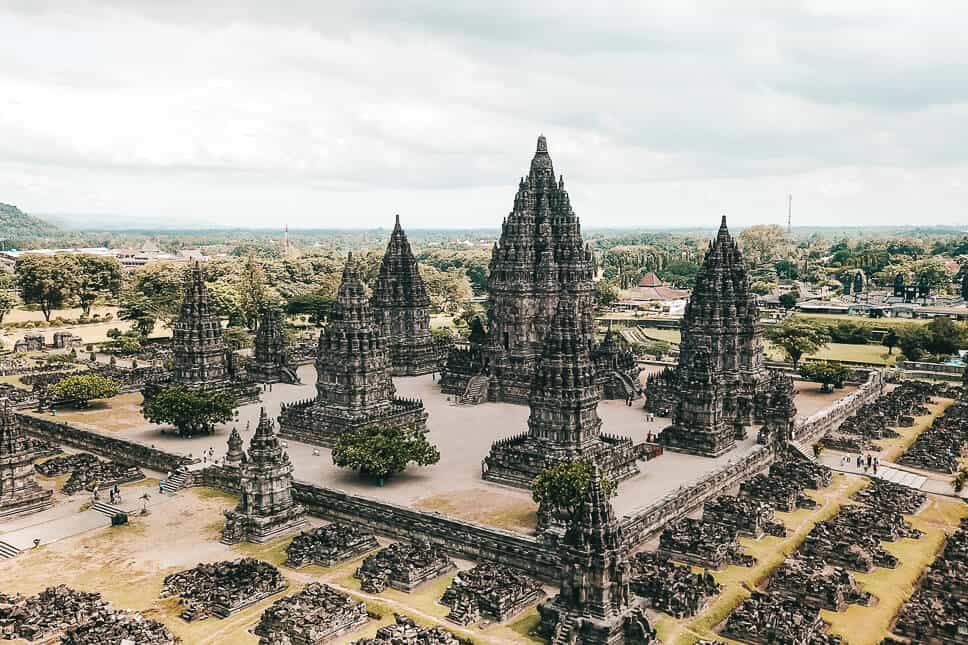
<point x="747" y="517"/>
<point x="772" y="618"/>
<point x="887" y="495"/>
<point x="405" y="631"/>
<point x="490" y="592"/>
<point x="669" y="587"/>
<point x="939" y="447"/>
<point x="86" y="470"/>
<point x="800" y="470"/>
<point x="223" y="588"/>
<point x="876" y="420"/>
<point x="49" y="614"/>
<point x="315" y="615"/>
<point x="108" y="627"/>
<point x="328" y="545"/>
<point x="403" y="566"/>
<point x="817" y="585"/>
<point x="778" y="491"/>
<point x="702" y="543"/>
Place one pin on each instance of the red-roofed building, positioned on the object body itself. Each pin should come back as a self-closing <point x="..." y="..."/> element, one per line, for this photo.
<point x="653" y="293"/>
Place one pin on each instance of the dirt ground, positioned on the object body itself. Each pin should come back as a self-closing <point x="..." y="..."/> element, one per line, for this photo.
<point x="113" y="415"/>
<point x="485" y="506"/>
<point x="810" y="399"/>
<point x="128" y="565"/>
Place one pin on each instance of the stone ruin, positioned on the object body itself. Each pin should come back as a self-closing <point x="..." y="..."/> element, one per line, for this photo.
<point x="702" y="543"/>
<point x="816" y="585"/>
<point x="490" y="592"/>
<point x="328" y="545"/>
<point x="805" y="472"/>
<point x="842" y="545"/>
<point x="404" y="631"/>
<point x="938" y="610"/>
<point x="747" y="517"/>
<point x="20" y="494"/>
<point x="223" y="588"/>
<point x="876" y="420"/>
<point x="49" y="614"/>
<point x="778" y="491"/>
<point x="86" y="470"/>
<point x="939" y="447"/>
<point x="671" y="588"/>
<point x="773" y="618"/>
<point x="661" y="394"/>
<point x="315" y="615"/>
<point x="108" y="626"/>
<point x="270" y="357"/>
<point x="888" y="495"/>
<point x="403" y="566"/>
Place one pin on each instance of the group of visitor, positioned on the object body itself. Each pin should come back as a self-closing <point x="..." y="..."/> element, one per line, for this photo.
<point x="866" y="462"/>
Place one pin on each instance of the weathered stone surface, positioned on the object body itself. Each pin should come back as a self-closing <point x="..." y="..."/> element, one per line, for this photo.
<point x="266" y="509"/>
<point x="814" y="584"/>
<point x="107" y="627"/>
<point x="86" y="470"/>
<point x="490" y="592"/>
<point x="595" y="605"/>
<point x="402" y="307"/>
<point x="50" y="613"/>
<point x="669" y="587"/>
<point x="353" y="386"/>
<point x="315" y="615"/>
<point x="20" y="493"/>
<point x="270" y="358"/>
<point x="197" y="344"/>
<point x="702" y="543"/>
<point x="941" y="446"/>
<point x="328" y="545"/>
<point x="405" y="631"/>
<point x="223" y="588"/>
<point x="746" y="517"/>
<point x="773" y="618"/>
<point x="888" y="495"/>
<point x="564" y="425"/>
<point x="720" y="380"/>
<point x="403" y="566"/>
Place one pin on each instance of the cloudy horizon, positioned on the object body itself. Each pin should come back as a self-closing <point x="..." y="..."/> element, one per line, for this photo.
<point x="245" y="114"/>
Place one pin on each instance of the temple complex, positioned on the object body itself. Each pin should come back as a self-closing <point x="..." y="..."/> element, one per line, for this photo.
<point x="402" y="307"/>
<point x="19" y="491"/>
<point x="198" y="349"/>
<point x="270" y="361"/>
<point x="564" y="424"/>
<point x="539" y="257"/>
<point x="266" y="508"/>
<point x="721" y="380"/>
<point x="353" y="385"/>
<point x="595" y="605"/>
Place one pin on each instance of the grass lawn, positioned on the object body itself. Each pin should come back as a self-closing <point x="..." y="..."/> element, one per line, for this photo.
<point x="876" y="323"/>
<point x="891" y="449"/>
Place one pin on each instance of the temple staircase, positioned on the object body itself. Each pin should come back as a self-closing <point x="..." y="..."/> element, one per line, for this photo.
<point x="174" y="483"/>
<point x="563" y="631"/>
<point x="8" y="551"/>
<point x="289" y="376"/>
<point x="476" y="391"/>
<point x="106" y="509"/>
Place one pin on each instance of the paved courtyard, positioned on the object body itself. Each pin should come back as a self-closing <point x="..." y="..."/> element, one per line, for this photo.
<point x="462" y="433"/>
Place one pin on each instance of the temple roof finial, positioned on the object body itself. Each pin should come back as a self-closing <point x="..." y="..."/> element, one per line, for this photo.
<point x="396" y="224"/>
<point x="542" y="144"/>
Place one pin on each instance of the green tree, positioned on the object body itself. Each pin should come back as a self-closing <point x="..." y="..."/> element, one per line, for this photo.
<point x="237" y="337"/>
<point x="945" y="336"/>
<point x="797" y="337"/>
<point x="46" y="280"/>
<point x="891" y="340"/>
<point x="140" y="310"/>
<point x="83" y="388"/>
<point x="764" y="243"/>
<point x="826" y="373"/>
<point x="564" y="486"/>
<point x="914" y="341"/>
<point x="96" y="276"/>
<point x="191" y="412"/>
<point x="7" y="302"/>
<point x="788" y="300"/>
<point x="253" y="294"/>
<point x="606" y="294"/>
<point x="161" y="285"/>
<point x="379" y="452"/>
<point x="657" y="348"/>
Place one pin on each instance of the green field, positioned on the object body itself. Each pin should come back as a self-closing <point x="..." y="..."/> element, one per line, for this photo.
<point x="874" y="323"/>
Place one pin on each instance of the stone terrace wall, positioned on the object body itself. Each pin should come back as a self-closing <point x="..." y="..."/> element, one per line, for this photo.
<point x="642" y="523"/>
<point x="112" y="447"/>
<point x="821" y="422"/>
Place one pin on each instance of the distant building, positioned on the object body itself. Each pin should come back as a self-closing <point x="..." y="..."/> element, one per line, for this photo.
<point x="652" y="293"/>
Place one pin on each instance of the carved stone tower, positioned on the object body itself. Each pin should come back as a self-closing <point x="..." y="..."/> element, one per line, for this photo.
<point x="233" y="456"/>
<point x="19" y="491"/>
<point x="270" y="360"/>
<point x="197" y="346"/>
<point x="595" y="605"/>
<point x="266" y="509"/>
<point x="353" y="386"/>
<point x="781" y="412"/>
<point x="722" y="325"/>
<point x="402" y="306"/>
<point x="564" y="424"/>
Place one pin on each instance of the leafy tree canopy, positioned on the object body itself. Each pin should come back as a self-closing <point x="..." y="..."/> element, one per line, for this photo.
<point x="380" y="452"/>
<point x="797" y="337"/>
<point x="564" y="486"/>
<point x="83" y="388"/>
<point x="192" y="412"/>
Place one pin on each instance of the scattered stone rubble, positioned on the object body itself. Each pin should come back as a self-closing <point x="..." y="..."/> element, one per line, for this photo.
<point x="939" y="447"/>
<point x="876" y="420"/>
<point x="772" y="618"/>
<point x="489" y="591"/>
<point x="747" y="517"/>
<point x="315" y="615"/>
<point x="406" y="632"/>
<point x="223" y="588"/>
<point x="327" y="545"/>
<point x="842" y="544"/>
<point x="403" y="566"/>
<point x="671" y="588"/>
<point x="888" y="495"/>
<point x="86" y="470"/>
<point x="814" y="584"/>
<point x="780" y="492"/>
<point x="938" y="610"/>
<point x="107" y="627"/>
<point x="50" y="613"/>
<point x="702" y="543"/>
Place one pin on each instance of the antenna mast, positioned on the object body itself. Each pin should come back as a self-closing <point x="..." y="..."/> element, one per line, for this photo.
<point x="789" y="214"/>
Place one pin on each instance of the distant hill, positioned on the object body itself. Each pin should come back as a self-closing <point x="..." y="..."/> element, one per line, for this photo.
<point x="17" y="225"/>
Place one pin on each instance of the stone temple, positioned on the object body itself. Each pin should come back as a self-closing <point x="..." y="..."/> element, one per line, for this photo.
<point x="266" y="508"/>
<point x="540" y="257"/>
<point x="353" y="385"/>
<point x="19" y="491"/>
<point x="595" y="605"/>
<point x="401" y="305"/>
<point x="197" y="346"/>
<point x="270" y="360"/>
<point x="721" y="382"/>
<point x="564" y="424"/>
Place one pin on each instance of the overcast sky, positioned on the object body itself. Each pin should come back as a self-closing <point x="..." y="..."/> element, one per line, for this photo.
<point x="247" y="113"/>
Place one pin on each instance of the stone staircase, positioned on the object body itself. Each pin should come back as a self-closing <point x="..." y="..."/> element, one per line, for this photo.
<point x="563" y="631"/>
<point x="174" y="483"/>
<point x="106" y="509"/>
<point x="476" y="391"/>
<point x="8" y="551"/>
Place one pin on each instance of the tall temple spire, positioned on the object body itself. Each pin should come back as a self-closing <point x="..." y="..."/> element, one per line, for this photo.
<point x="401" y="306"/>
<point x="270" y="360"/>
<point x="20" y="493"/>
<point x="197" y="346"/>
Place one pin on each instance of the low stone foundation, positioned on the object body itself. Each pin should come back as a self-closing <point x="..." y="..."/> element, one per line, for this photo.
<point x="403" y="566"/>
<point x="315" y="615"/>
<point x="321" y="426"/>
